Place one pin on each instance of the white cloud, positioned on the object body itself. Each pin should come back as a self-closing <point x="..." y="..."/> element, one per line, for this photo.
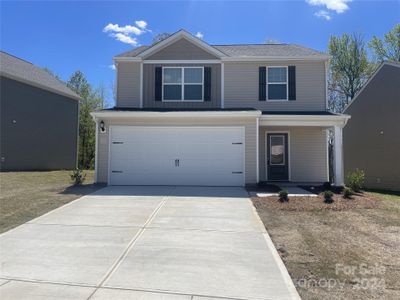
<point x="112" y="67"/>
<point x="339" y="6"/>
<point x="199" y="35"/>
<point x="125" y="38"/>
<point x="127" y="34"/>
<point x="127" y="29"/>
<point x="141" y="24"/>
<point x="323" y="14"/>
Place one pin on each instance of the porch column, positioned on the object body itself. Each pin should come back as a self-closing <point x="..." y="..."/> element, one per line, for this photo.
<point x="338" y="155"/>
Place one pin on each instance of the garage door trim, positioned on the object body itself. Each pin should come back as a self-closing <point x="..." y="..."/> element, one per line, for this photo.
<point x="241" y="128"/>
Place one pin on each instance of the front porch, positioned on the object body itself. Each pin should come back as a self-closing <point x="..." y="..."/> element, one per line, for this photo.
<point x="294" y="147"/>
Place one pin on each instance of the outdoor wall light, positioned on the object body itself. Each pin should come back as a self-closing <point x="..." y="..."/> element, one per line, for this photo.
<point x="102" y="126"/>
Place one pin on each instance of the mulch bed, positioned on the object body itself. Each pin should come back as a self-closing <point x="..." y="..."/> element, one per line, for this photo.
<point x="359" y="200"/>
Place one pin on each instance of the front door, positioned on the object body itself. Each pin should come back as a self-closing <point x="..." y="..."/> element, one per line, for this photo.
<point x="277" y="157"/>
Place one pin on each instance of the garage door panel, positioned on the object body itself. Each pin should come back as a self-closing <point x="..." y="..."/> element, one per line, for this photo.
<point x="147" y="156"/>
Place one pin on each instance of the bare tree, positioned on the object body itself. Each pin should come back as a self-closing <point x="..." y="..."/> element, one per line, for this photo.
<point x="161" y="36"/>
<point x="349" y="69"/>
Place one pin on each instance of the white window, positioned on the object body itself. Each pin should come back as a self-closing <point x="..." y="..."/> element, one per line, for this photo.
<point x="183" y="83"/>
<point x="277" y="83"/>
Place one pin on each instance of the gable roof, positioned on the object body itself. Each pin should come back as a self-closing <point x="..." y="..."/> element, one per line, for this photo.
<point x="385" y="63"/>
<point x="181" y="34"/>
<point x="230" y="51"/>
<point x="20" y="70"/>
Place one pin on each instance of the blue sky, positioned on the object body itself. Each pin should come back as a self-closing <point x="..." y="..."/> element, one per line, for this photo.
<point x="66" y="36"/>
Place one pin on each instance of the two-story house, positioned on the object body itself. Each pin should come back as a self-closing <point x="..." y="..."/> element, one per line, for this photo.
<point x="190" y="113"/>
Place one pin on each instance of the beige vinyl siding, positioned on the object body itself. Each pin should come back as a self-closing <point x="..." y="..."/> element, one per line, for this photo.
<point x="307" y="153"/>
<point x="128" y="84"/>
<point x="241" y="86"/>
<point x="181" y="49"/>
<point x="149" y="88"/>
<point x="248" y="123"/>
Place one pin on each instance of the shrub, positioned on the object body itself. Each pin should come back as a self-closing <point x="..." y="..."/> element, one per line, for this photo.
<point x="328" y="196"/>
<point x="327" y="185"/>
<point x="78" y="177"/>
<point x="283" y="196"/>
<point x="347" y="193"/>
<point x="355" y="180"/>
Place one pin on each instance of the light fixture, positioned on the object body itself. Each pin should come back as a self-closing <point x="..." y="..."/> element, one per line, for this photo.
<point x="102" y="126"/>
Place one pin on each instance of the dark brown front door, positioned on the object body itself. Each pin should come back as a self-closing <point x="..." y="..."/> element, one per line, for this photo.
<point x="277" y="157"/>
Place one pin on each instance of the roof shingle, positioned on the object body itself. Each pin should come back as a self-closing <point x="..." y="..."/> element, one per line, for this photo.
<point x="249" y="50"/>
<point x="21" y="70"/>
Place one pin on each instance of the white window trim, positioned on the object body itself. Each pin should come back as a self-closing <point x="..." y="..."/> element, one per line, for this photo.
<point x="182" y="84"/>
<point x="287" y="83"/>
<point x="284" y="149"/>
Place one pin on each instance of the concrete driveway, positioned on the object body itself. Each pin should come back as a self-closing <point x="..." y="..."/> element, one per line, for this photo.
<point x="145" y="243"/>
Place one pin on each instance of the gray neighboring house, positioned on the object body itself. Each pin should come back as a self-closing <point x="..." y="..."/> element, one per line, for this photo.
<point x="372" y="136"/>
<point x="39" y="118"/>
<point x="191" y="113"/>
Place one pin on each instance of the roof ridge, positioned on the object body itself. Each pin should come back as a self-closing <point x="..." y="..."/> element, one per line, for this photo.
<point x="251" y="44"/>
<point x="9" y="54"/>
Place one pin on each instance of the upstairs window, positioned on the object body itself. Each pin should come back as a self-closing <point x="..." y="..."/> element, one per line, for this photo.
<point x="183" y="83"/>
<point x="277" y="83"/>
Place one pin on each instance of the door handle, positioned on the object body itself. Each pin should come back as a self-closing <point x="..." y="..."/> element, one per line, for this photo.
<point x="176" y="162"/>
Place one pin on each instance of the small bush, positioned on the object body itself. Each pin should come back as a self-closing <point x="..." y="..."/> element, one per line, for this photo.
<point x="78" y="177"/>
<point x="327" y="185"/>
<point x="328" y="196"/>
<point x="355" y="180"/>
<point x="283" y="196"/>
<point x="347" y="193"/>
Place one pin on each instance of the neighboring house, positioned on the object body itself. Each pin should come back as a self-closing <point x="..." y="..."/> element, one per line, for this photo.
<point x="190" y="113"/>
<point x="39" y="118"/>
<point x="372" y="136"/>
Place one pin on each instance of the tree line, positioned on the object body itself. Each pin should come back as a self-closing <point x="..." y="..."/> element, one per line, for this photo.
<point x="350" y="65"/>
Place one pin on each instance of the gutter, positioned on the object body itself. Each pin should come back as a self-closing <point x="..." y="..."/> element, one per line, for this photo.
<point x="240" y="58"/>
<point x="174" y="114"/>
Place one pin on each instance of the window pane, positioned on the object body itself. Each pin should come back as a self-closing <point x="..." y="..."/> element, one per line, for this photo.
<point x="172" y="92"/>
<point x="193" y="75"/>
<point x="277" y="150"/>
<point x="172" y="75"/>
<point x="277" y="91"/>
<point x="193" y="92"/>
<point x="276" y="74"/>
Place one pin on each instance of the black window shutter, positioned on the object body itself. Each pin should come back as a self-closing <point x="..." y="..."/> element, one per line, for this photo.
<point x="292" y="82"/>
<point x="262" y="83"/>
<point x="158" y="83"/>
<point x="207" y="83"/>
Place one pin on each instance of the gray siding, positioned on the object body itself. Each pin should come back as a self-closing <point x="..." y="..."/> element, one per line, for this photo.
<point x="371" y="138"/>
<point x="38" y="128"/>
<point x="149" y="85"/>
<point x="181" y="49"/>
<point x="241" y="86"/>
<point x="307" y="153"/>
<point x="250" y="139"/>
<point x="128" y="84"/>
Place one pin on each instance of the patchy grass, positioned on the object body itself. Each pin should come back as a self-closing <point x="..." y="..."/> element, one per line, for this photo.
<point x="27" y="195"/>
<point x="317" y="241"/>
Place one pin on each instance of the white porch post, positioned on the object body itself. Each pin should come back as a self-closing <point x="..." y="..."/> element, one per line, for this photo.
<point x="338" y="155"/>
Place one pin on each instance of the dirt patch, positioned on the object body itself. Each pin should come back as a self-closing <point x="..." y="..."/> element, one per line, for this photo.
<point x="27" y="195"/>
<point x="345" y="250"/>
<point x="317" y="203"/>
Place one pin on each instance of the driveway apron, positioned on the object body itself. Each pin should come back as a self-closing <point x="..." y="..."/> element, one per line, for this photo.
<point x="145" y="242"/>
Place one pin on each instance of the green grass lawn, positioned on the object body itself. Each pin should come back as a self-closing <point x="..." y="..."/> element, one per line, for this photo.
<point x="27" y="195"/>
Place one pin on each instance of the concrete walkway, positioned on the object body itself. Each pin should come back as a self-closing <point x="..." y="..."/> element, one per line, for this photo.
<point x="145" y="243"/>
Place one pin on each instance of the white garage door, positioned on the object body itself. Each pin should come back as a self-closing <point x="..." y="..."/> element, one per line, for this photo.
<point x="176" y="156"/>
